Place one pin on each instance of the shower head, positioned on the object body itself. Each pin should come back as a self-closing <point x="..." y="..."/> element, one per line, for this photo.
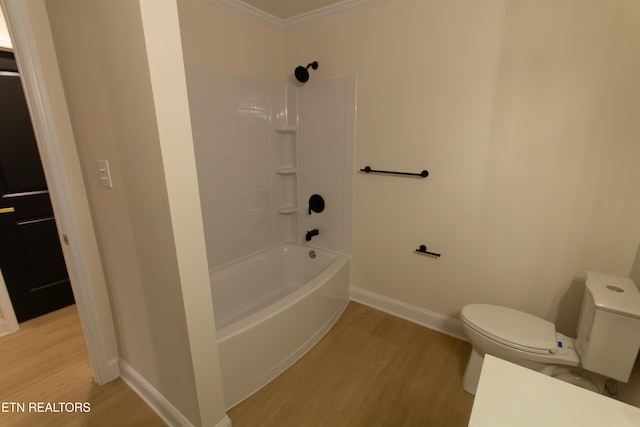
<point x="302" y="73"/>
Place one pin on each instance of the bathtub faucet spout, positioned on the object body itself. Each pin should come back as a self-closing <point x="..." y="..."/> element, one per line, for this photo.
<point x="311" y="233"/>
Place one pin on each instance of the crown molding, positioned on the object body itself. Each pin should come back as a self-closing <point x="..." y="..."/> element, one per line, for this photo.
<point x="251" y="11"/>
<point x="344" y="6"/>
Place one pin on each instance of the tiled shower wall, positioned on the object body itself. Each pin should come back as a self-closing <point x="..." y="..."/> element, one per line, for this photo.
<point x="325" y="128"/>
<point x="230" y="131"/>
<point x="238" y="151"/>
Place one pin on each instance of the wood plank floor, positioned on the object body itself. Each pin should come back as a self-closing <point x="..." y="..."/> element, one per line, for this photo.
<point x="47" y="361"/>
<point x="371" y="369"/>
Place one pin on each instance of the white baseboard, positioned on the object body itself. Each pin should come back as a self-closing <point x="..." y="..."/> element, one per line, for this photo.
<point x="160" y="405"/>
<point x="430" y="319"/>
<point x="4" y="330"/>
<point x="225" y="422"/>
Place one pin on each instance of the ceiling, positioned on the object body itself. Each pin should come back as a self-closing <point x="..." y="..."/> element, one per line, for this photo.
<point x="284" y="9"/>
<point x="286" y="13"/>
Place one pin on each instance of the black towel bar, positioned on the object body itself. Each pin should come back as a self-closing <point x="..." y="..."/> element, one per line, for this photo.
<point x="423" y="174"/>
<point x="423" y="250"/>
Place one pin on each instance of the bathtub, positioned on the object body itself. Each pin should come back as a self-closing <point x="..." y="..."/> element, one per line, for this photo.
<point x="272" y="308"/>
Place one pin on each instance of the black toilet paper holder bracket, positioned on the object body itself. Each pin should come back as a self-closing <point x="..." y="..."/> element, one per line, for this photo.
<point x="423" y="250"/>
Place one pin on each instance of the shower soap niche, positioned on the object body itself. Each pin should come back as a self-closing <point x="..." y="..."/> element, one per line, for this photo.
<point x="287" y="210"/>
<point x="286" y="171"/>
<point x="286" y="129"/>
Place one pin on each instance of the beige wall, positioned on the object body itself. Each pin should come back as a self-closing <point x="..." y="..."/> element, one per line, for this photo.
<point x="525" y="114"/>
<point x="217" y="38"/>
<point x="5" y="41"/>
<point x="81" y="233"/>
<point x="522" y="111"/>
<point x="168" y="81"/>
<point x="522" y="114"/>
<point x="103" y="57"/>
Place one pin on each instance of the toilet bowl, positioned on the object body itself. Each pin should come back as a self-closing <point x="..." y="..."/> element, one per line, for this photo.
<point x="607" y="344"/>
<point x="519" y="338"/>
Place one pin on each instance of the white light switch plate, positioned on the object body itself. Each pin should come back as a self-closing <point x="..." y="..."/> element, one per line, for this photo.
<point x="103" y="173"/>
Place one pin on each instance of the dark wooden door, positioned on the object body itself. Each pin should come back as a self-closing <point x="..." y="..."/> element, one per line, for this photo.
<point x="31" y="258"/>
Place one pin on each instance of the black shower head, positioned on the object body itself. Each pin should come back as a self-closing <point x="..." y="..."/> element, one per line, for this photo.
<point x="302" y="73"/>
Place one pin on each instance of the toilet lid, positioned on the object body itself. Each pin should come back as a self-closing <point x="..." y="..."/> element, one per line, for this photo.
<point x="511" y="327"/>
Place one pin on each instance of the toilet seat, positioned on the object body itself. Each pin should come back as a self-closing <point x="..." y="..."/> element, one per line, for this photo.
<point x="512" y="328"/>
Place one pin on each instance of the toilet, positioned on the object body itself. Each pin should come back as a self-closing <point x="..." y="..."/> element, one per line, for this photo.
<point x="606" y="346"/>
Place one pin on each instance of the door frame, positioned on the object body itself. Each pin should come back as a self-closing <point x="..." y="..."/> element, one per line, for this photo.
<point x="81" y="255"/>
<point x="9" y="323"/>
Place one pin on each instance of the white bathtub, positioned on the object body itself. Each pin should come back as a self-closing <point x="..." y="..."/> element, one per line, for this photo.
<point x="272" y="308"/>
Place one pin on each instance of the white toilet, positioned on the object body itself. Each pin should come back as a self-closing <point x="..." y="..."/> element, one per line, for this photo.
<point x="607" y="344"/>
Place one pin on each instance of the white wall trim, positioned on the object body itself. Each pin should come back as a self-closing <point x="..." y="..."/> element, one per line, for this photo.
<point x="161" y="30"/>
<point x="344" y="6"/>
<point x="251" y="11"/>
<point x="351" y="102"/>
<point x="4" y="328"/>
<point x="430" y="319"/>
<point x="160" y="405"/>
<point x="225" y="422"/>
<point x="98" y="331"/>
<point x="9" y="323"/>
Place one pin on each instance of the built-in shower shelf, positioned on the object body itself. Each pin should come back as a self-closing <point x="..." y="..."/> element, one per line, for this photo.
<point x="286" y="171"/>
<point x="286" y="129"/>
<point x="288" y="210"/>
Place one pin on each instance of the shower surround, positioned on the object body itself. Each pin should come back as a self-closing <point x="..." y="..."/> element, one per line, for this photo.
<point x="262" y="150"/>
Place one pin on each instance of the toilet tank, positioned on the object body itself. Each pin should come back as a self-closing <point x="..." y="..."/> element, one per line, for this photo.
<point x="609" y="327"/>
